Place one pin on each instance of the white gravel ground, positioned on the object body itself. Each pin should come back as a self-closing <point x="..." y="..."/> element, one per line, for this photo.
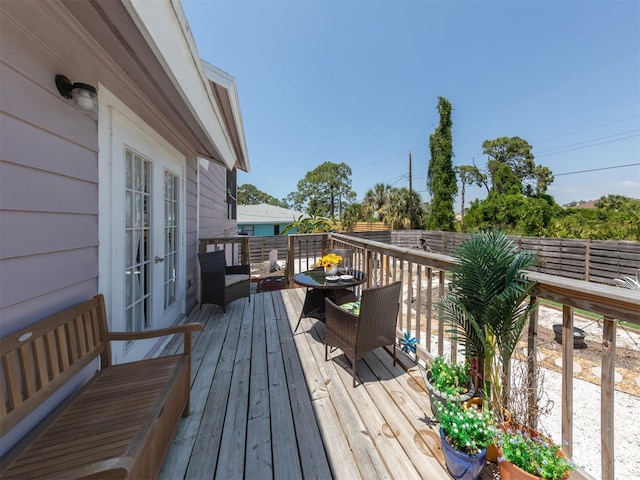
<point x="586" y="431"/>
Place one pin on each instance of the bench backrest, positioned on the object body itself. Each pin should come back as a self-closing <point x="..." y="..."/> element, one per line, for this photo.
<point x="41" y="358"/>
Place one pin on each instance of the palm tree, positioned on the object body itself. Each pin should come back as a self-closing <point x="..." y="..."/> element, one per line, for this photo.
<point x="397" y="214"/>
<point x="376" y="200"/>
<point x="486" y="308"/>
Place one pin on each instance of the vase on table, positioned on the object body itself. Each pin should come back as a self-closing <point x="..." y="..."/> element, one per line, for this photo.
<point x="330" y="271"/>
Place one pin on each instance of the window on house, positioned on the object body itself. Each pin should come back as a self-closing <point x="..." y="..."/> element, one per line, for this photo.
<point x="276" y="229"/>
<point x="245" y="229"/>
<point x="232" y="194"/>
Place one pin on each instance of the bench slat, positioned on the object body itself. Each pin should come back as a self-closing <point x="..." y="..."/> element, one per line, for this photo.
<point x="12" y="380"/>
<point x="28" y="370"/>
<point x="40" y="357"/>
<point x="52" y="355"/>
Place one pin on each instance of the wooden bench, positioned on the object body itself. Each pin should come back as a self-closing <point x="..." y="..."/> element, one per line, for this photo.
<point x="120" y="424"/>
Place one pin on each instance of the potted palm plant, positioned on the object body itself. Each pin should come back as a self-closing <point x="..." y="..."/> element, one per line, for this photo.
<point x="486" y="307"/>
<point x="464" y="435"/>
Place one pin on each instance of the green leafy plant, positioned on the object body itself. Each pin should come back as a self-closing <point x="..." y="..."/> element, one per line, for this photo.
<point x="452" y="379"/>
<point x="487" y="307"/>
<point x="467" y="430"/>
<point x="535" y="454"/>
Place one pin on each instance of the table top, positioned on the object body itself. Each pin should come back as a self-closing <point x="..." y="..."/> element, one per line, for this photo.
<point x="318" y="279"/>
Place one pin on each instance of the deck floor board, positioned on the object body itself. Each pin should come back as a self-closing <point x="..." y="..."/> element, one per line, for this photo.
<point x="265" y="404"/>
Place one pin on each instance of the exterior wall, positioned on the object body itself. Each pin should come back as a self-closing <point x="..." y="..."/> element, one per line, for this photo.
<point x="266" y="229"/>
<point x="191" y="212"/>
<point x="212" y="216"/>
<point x="48" y="187"/>
<point x="49" y="172"/>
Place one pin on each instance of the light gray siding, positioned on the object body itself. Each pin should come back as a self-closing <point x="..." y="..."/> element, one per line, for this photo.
<point x="48" y="188"/>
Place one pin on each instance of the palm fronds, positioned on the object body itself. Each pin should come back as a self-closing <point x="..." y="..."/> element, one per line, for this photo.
<point x="486" y="308"/>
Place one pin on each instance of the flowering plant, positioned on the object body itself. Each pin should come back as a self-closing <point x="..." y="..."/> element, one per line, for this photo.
<point x="329" y="260"/>
<point x="534" y="453"/>
<point x="467" y="430"/>
<point x="452" y="379"/>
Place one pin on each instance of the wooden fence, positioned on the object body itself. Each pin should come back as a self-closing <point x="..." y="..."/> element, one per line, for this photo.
<point x="598" y="261"/>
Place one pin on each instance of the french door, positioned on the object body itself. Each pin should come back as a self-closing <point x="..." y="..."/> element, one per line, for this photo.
<point x="152" y="207"/>
<point x="142" y="248"/>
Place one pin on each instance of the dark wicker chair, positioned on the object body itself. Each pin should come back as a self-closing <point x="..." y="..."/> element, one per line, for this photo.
<point x="375" y="326"/>
<point x="219" y="284"/>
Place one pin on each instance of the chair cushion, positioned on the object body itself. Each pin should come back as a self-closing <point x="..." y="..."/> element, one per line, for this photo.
<point x="234" y="278"/>
<point x="351" y="307"/>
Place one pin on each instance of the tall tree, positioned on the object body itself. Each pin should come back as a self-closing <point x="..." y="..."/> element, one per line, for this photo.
<point x="515" y="153"/>
<point x="441" y="178"/>
<point x="251" y="195"/>
<point x="325" y="190"/>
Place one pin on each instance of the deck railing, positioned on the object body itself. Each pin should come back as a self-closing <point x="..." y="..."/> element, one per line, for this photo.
<point x="423" y="275"/>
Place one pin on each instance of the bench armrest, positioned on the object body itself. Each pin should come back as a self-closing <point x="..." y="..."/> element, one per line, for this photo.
<point x="113" y="468"/>
<point x="185" y="329"/>
<point x="159" y="332"/>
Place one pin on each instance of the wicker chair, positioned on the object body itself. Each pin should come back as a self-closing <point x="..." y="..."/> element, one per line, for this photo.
<point x="219" y="284"/>
<point x="375" y="326"/>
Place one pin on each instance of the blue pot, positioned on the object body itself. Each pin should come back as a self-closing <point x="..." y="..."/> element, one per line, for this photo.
<point x="462" y="466"/>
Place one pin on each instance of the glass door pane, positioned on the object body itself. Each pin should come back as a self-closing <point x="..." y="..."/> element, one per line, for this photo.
<point x="137" y="242"/>
<point x="171" y="238"/>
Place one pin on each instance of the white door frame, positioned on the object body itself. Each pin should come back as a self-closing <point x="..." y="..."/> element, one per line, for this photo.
<point x="119" y="125"/>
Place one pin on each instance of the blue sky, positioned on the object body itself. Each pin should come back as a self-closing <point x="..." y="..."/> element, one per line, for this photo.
<point x="358" y="81"/>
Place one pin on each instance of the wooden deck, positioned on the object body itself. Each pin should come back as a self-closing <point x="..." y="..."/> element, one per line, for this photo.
<point x="265" y="404"/>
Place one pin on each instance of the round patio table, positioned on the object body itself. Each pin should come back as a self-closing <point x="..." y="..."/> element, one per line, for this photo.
<point x="318" y="288"/>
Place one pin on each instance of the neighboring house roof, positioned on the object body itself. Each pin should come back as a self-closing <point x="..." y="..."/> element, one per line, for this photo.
<point x="589" y="204"/>
<point x="265" y="213"/>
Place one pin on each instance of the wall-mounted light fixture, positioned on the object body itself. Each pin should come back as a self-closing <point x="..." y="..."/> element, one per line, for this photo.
<point x="84" y="97"/>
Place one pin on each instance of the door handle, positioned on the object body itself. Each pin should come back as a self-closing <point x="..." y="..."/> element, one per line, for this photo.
<point x="158" y="259"/>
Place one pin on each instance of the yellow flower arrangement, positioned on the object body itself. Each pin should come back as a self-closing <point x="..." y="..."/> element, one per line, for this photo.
<point x="329" y="260"/>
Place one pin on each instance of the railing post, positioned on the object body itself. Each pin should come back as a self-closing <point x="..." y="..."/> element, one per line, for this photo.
<point x="567" y="380"/>
<point x="418" y="334"/>
<point x="429" y="306"/>
<point x="440" y="321"/>
<point x="587" y="259"/>
<point x="606" y="397"/>
<point x="532" y="366"/>
<point x="290" y="267"/>
<point x="245" y="256"/>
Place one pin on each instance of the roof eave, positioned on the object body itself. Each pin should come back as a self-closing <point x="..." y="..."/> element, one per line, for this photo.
<point x="227" y="84"/>
<point x="167" y="33"/>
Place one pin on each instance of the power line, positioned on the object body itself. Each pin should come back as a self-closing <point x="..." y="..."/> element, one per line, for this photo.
<point x="587" y="129"/>
<point x="597" y="169"/>
<point x="587" y="146"/>
<point x="589" y="141"/>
